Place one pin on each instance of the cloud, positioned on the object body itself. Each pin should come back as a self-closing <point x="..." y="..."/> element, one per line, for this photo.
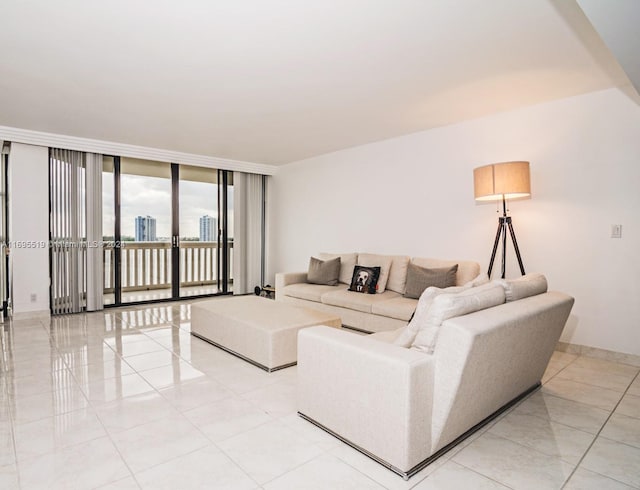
<point x="151" y="196"/>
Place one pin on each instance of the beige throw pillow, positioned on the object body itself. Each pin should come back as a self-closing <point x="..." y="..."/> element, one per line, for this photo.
<point x="467" y="270"/>
<point x="420" y="278"/>
<point x="445" y="306"/>
<point x="408" y="334"/>
<point x="398" y="273"/>
<point x="478" y="281"/>
<point x="347" y="263"/>
<point x="324" y="272"/>
<point x="523" y="287"/>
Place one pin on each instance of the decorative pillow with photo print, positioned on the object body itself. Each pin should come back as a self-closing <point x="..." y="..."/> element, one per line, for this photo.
<point x="365" y="279"/>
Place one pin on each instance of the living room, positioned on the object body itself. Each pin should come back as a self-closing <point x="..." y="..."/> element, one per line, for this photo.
<point x="358" y="160"/>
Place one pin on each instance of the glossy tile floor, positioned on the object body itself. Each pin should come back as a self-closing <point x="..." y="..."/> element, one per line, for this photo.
<point x="129" y="399"/>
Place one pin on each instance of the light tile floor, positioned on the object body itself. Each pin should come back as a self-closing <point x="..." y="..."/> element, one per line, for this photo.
<point x="129" y="399"/>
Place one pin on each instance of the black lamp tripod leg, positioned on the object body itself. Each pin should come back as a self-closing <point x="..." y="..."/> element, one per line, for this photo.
<point x="503" y="270"/>
<point x="495" y="247"/>
<point x="515" y="246"/>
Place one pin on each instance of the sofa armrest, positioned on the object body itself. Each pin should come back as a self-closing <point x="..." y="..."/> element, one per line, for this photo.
<point x="373" y="394"/>
<point x="285" y="278"/>
<point x="491" y="357"/>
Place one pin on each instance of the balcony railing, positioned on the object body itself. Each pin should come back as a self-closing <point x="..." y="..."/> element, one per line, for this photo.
<point x="147" y="265"/>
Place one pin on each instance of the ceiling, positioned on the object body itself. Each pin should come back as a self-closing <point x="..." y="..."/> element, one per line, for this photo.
<point x="276" y="81"/>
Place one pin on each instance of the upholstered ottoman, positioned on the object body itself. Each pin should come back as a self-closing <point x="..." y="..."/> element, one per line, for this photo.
<point x="259" y="330"/>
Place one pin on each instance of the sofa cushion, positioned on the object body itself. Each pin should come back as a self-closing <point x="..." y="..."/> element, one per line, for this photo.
<point x="478" y="281"/>
<point x="467" y="270"/>
<point x="347" y="263"/>
<point x="310" y="292"/>
<point x="445" y="306"/>
<point x="365" y="279"/>
<point x="420" y="278"/>
<point x="523" y="287"/>
<point x="400" y="308"/>
<point x="407" y="336"/>
<point x="357" y="301"/>
<point x="382" y="261"/>
<point x="398" y="273"/>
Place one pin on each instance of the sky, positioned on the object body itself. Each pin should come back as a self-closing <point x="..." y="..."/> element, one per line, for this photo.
<point x="151" y="196"/>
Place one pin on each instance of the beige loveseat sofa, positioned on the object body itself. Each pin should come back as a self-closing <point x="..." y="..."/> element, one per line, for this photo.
<point x="378" y="312"/>
<point x="403" y="407"/>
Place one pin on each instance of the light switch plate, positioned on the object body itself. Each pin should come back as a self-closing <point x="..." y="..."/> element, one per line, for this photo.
<point x="616" y="231"/>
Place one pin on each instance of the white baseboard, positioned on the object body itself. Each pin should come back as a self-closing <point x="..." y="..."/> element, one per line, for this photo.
<point x="607" y="355"/>
<point x="31" y="315"/>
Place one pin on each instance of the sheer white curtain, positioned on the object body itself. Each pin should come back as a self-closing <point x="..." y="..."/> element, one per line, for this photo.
<point x="248" y="240"/>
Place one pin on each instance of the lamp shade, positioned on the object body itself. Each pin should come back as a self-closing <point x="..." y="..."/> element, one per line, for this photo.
<point x="508" y="180"/>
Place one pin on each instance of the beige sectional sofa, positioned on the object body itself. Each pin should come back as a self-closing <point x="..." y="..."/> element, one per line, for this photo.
<point x="378" y="312"/>
<point x="404" y="407"/>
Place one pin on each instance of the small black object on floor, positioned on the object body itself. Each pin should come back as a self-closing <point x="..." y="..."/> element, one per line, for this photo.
<point x="267" y="291"/>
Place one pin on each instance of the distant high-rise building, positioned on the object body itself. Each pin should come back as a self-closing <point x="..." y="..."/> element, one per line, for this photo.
<point x="208" y="229"/>
<point x="145" y="229"/>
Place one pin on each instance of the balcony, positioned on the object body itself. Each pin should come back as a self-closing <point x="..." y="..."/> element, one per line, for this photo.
<point x="146" y="270"/>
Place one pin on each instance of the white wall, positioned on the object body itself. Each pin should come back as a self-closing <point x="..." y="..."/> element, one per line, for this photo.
<point x="414" y="195"/>
<point x="29" y="222"/>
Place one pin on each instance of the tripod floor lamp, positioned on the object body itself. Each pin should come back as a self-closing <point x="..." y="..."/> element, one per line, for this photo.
<point x="502" y="181"/>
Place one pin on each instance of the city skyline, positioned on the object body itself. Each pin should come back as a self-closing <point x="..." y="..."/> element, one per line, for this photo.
<point x="145" y="229"/>
<point x="151" y="196"/>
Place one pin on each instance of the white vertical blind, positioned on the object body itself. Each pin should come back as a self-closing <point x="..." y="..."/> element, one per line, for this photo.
<point x="75" y="188"/>
<point x="68" y="238"/>
<point x="248" y="199"/>
<point x="95" y="269"/>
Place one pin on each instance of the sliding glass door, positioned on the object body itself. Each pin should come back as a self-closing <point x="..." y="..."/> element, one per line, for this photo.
<point x="145" y="230"/>
<point x="164" y="231"/>
<point x="201" y="244"/>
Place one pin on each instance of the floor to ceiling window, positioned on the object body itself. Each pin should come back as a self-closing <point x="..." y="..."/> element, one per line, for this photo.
<point x="166" y="230"/>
